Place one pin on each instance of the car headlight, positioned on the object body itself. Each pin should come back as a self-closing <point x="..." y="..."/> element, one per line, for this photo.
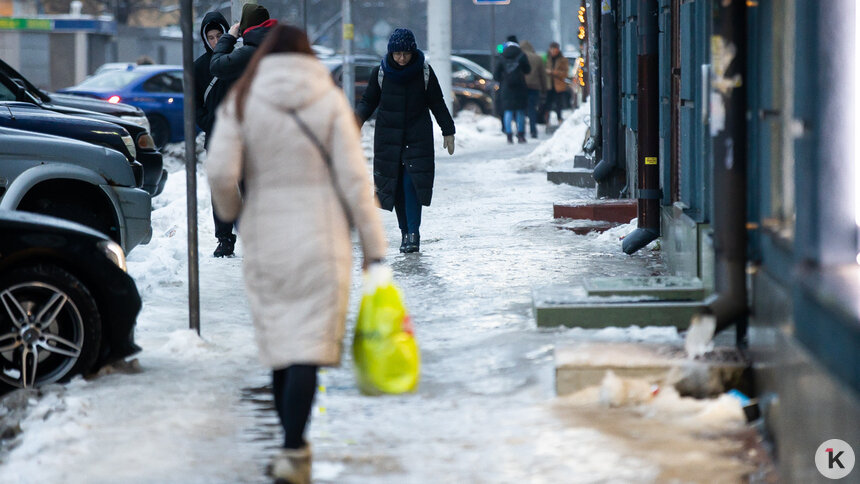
<point x="129" y="143"/>
<point x="145" y="142"/>
<point x="141" y="121"/>
<point x="114" y="252"/>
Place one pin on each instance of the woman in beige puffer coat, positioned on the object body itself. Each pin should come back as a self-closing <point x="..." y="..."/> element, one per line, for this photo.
<point x="295" y="211"/>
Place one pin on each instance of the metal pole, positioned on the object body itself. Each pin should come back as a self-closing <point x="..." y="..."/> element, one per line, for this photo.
<point x="493" y="38"/>
<point x="190" y="165"/>
<point x="556" y="22"/>
<point x="348" y="35"/>
<point x="305" y="15"/>
<point x="439" y="43"/>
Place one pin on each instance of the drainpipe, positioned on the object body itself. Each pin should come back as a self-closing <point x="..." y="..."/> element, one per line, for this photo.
<point x="608" y="91"/>
<point x="728" y="304"/>
<point x="648" y="122"/>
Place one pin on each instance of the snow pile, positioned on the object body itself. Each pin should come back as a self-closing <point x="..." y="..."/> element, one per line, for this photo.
<point x="560" y="149"/>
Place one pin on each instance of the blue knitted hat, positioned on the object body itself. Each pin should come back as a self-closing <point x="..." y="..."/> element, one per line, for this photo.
<point x="402" y="40"/>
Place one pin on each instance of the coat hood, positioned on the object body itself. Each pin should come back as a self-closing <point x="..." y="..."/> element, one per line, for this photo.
<point x="512" y="50"/>
<point x="527" y="47"/>
<point x="291" y="81"/>
<point x="212" y="18"/>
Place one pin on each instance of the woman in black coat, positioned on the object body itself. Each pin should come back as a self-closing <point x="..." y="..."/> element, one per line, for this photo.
<point x="406" y="91"/>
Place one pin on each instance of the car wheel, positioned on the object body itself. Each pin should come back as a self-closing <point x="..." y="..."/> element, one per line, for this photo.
<point x="473" y="107"/>
<point x="159" y="128"/>
<point x="50" y="328"/>
<point x="79" y="212"/>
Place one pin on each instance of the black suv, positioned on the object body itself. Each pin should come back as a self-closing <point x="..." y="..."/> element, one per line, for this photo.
<point x="16" y="93"/>
<point x="67" y="305"/>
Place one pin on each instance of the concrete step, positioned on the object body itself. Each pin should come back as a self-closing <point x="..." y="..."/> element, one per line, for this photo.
<point x="582" y="227"/>
<point x="667" y="288"/>
<point x="578" y="177"/>
<point x="571" y="306"/>
<point x="611" y="210"/>
<point x="582" y="161"/>
<point x="584" y="364"/>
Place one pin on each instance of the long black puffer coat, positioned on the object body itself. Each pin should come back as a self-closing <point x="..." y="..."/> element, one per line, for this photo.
<point x="511" y="74"/>
<point x="404" y="130"/>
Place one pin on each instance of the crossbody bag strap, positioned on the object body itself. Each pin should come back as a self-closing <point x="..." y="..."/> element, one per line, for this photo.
<point x="328" y="161"/>
<point x="209" y="88"/>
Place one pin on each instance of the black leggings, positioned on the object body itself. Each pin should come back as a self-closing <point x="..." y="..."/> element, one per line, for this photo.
<point x="293" y="388"/>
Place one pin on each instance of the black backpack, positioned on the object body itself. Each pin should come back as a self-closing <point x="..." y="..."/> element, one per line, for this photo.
<point x="514" y="76"/>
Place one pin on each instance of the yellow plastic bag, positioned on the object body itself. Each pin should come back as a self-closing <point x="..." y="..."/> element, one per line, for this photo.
<point x="386" y="355"/>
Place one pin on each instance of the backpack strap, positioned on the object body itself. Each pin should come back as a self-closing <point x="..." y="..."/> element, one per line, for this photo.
<point x="381" y="75"/>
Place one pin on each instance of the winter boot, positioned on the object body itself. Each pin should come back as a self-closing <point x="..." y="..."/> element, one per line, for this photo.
<point x="225" y="247"/>
<point x="534" y="135"/>
<point x="510" y="139"/>
<point x="291" y="466"/>
<point x="521" y="138"/>
<point x="403" y="243"/>
<point x="412" y="243"/>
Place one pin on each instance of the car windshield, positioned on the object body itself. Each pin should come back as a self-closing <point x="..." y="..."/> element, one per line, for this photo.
<point x="109" y="80"/>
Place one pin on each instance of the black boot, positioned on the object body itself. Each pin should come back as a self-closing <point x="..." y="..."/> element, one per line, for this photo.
<point x="225" y="247"/>
<point x="521" y="138"/>
<point x="403" y="243"/>
<point x="510" y="139"/>
<point x="412" y="243"/>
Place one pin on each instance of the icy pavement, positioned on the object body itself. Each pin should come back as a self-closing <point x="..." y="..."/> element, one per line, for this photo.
<point x="199" y="410"/>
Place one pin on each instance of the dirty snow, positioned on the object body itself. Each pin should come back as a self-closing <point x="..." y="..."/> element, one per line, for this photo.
<point x="198" y="410"/>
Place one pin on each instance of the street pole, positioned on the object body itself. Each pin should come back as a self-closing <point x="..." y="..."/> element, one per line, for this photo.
<point x="348" y="36"/>
<point x="493" y="38"/>
<point x="305" y="15"/>
<point x="439" y="43"/>
<point x="190" y="164"/>
<point x="236" y="9"/>
<point x="556" y="22"/>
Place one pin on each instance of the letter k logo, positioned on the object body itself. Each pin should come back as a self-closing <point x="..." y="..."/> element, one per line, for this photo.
<point x="834" y="459"/>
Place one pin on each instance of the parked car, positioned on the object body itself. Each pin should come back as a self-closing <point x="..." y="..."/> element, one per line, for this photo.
<point x="473" y="86"/>
<point x="89" y="184"/>
<point x="68" y="305"/>
<point x="14" y="87"/>
<point x="156" y="89"/>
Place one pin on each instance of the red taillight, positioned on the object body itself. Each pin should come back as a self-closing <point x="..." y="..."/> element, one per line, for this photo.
<point x="113" y="99"/>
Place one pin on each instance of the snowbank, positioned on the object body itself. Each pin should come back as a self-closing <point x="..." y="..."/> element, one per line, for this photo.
<point x="559" y="150"/>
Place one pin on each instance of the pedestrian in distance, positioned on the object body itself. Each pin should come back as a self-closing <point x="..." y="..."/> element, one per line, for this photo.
<point x="208" y="93"/>
<point x="228" y="63"/>
<point x="289" y="133"/>
<point x="536" y="82"/>
<point x="557" y="66"/>
<point x="405" y="90"/>
<point x="511" y="73"/>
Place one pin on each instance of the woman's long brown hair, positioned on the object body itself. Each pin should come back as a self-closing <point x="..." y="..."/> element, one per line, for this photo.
<point x="282" y="38"/>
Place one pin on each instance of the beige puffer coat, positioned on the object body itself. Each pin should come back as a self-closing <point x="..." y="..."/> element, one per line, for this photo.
<point x="294" y="229"/>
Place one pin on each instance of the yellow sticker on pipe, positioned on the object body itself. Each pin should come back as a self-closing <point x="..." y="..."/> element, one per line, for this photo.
<point x="650" y="160"/>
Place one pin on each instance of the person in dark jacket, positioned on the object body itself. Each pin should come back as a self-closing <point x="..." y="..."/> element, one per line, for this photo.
<point x="208" y="91"/>
<point x="228" y="63"/>
<point x="511" y="74"/>
<point x="405" y="91"/>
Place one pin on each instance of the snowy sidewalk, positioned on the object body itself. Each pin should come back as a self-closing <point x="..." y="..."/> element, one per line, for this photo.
<point x="485" y="411"/>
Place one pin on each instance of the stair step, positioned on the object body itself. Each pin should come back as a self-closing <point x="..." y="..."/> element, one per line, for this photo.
<point x="611" y="210"/>
<point x="666" y="288"/>
<point x="578" y="177"/>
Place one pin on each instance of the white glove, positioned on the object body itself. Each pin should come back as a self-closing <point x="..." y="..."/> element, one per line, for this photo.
<point x="449" y="144"/>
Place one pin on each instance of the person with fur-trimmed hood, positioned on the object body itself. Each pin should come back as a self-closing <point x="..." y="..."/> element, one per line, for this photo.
<point x="208" y="93"/>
